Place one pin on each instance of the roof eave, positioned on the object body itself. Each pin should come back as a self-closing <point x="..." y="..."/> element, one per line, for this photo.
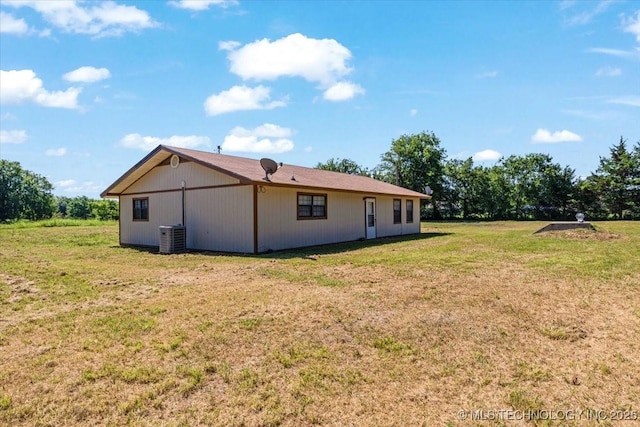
<point x="108" y="193"/>
<point x="112" y="192"/>
<point x="169" y="150"/>
<point x="241" y="178"/>
<point x="342" y="190"/>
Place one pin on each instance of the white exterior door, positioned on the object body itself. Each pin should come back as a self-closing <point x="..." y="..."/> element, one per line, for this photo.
<point x="370" y="217"/>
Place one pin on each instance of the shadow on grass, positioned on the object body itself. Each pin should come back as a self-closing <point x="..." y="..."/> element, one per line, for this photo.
<point x="304" y="252"/>
<point x="336" y="248"/>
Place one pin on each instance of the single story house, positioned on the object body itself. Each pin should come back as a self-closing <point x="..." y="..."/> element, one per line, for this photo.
<point x="229" y="204"/>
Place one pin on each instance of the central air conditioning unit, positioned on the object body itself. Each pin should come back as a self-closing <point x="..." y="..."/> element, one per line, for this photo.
<point x="173" y="239"/>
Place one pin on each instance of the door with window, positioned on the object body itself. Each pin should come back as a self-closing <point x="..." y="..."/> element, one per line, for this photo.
<point x="370" y="217"/>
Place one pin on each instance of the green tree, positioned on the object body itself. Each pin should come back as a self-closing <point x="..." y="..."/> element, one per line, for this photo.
<point x="635" y="181"/>
<point x="104" y="209"/>
<point x="344" y="166"/>
<point x="558" y="192"/>
<point x="466" y="187"/>
<point x="531" y="186"/>
<point x="24" y="194"/>
<point x="588" y="199"/>
<point x="538" y="188"/>
<point x="413" y="162"/>
<point x="11" y="176"/>
<point x="62" y="203"/>
<point x="497" y="200"/>
<point x="79" y="207"/>
<point x="521" y="180"/>
<point x="617" y="179"/>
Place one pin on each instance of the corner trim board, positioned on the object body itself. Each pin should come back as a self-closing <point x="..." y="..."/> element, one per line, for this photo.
<point x="255" y="219"/>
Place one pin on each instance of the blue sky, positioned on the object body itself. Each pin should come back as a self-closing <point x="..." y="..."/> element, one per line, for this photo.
<point x="88" y="88"/>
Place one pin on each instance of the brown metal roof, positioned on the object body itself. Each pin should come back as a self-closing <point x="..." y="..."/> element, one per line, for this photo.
<point x="249" y="171"/>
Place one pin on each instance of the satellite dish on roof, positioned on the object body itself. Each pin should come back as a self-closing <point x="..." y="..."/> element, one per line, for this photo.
<point x="270" y="167"/>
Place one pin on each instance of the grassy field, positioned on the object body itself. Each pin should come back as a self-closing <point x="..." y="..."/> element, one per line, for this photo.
<point x="405" y="331"/>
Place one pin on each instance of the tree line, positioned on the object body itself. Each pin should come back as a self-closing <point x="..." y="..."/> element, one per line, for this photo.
<point x="525" y="187"/>
<point x="25" y="195"/>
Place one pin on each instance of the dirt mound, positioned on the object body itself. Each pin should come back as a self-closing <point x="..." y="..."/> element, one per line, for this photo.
<point x="580" y="234"/>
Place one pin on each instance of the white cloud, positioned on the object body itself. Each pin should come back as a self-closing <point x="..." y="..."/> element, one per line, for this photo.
<point x="342" y="91"/>
<point x="10" y="25"/>
<point x="631" y="100"/>
<point x="241" y="98"/>
<point x="316" y="60"/>
<point x="87" y="75"/>
<point x="18" y="86"/>
<point x="566" y="4"/>
<point x="308" y="149"/>
<point x="148" y="143"/>
<point x="65" y="183"/>
<point x="629" y="25"/>
<point x="632" y="26"/>
<point x="488" y="75"/>
<point x="321" y="61"/>
<point x="56" y="152"/>
<point x="587" y="16"/>
<point x="93" y="18"/>
<point x="413" y="112"/>
<point x="229" y="45"/>
<point x="543" y="136"/>
<point x="608" y="72"/>
<point x="13" y="136"/>
<point x="201" y="4"/>
<point x="72" y="186"/>
<point x="268" y="138"/>
<point x="484" y="155"/>
<point x="626" y="54"/>
<point x="273" y="131"/>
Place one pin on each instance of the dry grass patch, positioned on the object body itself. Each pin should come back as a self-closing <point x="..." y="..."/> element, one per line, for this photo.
<point x="391" y="332"/>
<point x="580" y="234"/>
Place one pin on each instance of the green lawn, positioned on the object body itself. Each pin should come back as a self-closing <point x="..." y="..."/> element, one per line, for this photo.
<point x="400" y="331"/>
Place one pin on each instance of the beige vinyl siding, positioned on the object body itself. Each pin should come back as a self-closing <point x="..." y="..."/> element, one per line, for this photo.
<point x="164" y="209"/>
<point x="279" y="228"/>
<point x="165" y="177"/>
<point x="384" y="211"/>
<point x="220" y="219"/>
<point x="412" y="228"/>
<point x="217" y="219"/>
